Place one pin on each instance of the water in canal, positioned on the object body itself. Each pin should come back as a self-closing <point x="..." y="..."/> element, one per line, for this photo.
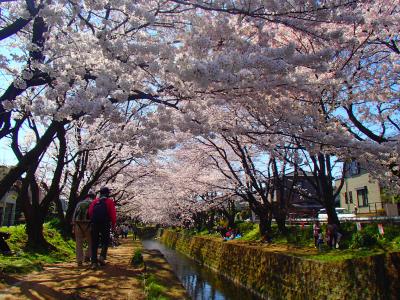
<point x="199" y="282"/>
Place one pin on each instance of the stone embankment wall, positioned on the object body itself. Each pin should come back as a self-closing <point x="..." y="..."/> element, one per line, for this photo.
<point x="280" y="276"/>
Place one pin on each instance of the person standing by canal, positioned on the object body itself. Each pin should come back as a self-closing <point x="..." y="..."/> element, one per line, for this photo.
<point x="81" y="228"/>
<point x="103" y="218"/>
<point x="316" y="229"/>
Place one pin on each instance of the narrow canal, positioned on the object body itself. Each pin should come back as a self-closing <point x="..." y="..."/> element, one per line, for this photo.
<point x="199" y="282"/>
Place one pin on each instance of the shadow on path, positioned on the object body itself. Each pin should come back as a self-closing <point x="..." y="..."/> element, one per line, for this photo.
<point x="116" y="280"/>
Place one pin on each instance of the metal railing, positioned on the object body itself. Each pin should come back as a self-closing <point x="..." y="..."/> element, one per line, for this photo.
<point x="372" y="208"/>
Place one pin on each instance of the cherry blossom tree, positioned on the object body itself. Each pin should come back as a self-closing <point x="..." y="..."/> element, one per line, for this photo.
<point x="333" y="63"/>
<point x="66" y="58"/>
<point x="321" y="73"/>
<point x="173" y="189"/>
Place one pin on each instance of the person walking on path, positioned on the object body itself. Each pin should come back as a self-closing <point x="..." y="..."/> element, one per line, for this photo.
<point x="81" y="228"/>
<point x="103" y="218"/>
<point x="134" y="232"/>
<point x="125" y="231"/>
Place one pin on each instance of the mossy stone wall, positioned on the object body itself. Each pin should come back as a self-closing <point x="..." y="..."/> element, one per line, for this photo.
<point x="279" y="276"/>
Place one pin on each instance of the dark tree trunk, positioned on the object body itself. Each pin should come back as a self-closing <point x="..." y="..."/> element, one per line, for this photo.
<point x="283" y="193"/>
<point x="325" y="183"/>
<point x="198" y="219"/>
<point x="331" y="212"/>
<point x="60" y="211"/>
<point x="36" y="209"/>
<point x="265" y="224"/>
<point x="280" y="218"/>
<point x="229" y="213"/>
<point x="231" y="221"/>
<point x="34" y="230"/>
<point x="34" y="214"/>
<point x="210" y="221"/>
<point x="229" y="217"/>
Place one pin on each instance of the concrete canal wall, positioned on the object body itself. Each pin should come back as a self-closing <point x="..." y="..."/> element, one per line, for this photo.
<point x="280" y="276"/>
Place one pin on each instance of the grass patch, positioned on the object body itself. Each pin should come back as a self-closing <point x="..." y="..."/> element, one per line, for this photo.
<point x="25" y="260"/>
<point x="300" y="240"/>
<point x="337" y="255"/>
<point x="153" y="289"/>
<point x="253" y="234"/>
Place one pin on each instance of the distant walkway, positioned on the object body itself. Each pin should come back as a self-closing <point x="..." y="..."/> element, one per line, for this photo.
<point x="116" y="280"/>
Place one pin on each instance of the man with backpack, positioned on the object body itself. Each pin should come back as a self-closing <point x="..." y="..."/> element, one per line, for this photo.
<point x="103" y="218"/>
<point x="81" y="228"/>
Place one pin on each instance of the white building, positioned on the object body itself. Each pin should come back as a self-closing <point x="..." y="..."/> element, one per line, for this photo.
<point x="8" y="203"/>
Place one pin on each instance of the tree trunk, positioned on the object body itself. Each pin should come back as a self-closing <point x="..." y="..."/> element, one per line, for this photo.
<point x="231" y="220"/>
<point x="280" y="218"/>
<point x="60" y="212"/>
<point x="265" y="224"/>
<point x="229" y="213"/>
<point x="30" y="157"/>
<point x="325" y="189"/>
<point x="34" y="213"/>
<point x="34" y="230"/>
<point x="210" y="221"/>
<point x="331" y="212"/>
<point x="198" y="221"/>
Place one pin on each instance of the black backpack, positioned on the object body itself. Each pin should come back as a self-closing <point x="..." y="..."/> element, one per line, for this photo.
<point x="100" y="213"/>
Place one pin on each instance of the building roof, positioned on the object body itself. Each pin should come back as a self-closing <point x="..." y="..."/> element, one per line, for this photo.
<point x="300" y="174"/>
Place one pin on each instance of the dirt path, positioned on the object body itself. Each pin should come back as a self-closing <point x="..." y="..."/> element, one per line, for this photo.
<point x="116" y="280"/>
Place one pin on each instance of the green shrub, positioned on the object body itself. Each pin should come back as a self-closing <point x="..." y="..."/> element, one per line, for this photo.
<point x="154" y="290"/>
<point x="245" y="227"/>
<point x="396" y="241"/>
<point x="137" y="259"/>
<point x="362" y="239"/>
<point x="252" y="235"/>
<point x="296" y="235"/>
<point x="347" y="230"/>
<point x="391" y="232"/>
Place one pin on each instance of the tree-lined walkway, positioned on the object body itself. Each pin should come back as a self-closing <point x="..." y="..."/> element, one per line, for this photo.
<point x="117" y="280"/>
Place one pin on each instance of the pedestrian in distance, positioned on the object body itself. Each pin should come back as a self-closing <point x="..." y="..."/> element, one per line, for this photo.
<point x="336" y="236"/>
<point x="81" y="228"/>
<point x="320" y="239"/>
<point x="103" y="219"/>
<point x="329" y="235"/>
<point x="125" y="231"/>
<point x="134" y="232"/>
<point x="316" y="229"/>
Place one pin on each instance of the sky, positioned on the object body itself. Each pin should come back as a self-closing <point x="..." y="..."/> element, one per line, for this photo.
<point x="7" y="157"/>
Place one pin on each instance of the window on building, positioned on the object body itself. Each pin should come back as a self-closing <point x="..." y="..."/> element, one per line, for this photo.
<point x="354" y="168"/>
<point x="350" y="197"/>
<point x="346" y="198"/>
<point x="362" y="197"/>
